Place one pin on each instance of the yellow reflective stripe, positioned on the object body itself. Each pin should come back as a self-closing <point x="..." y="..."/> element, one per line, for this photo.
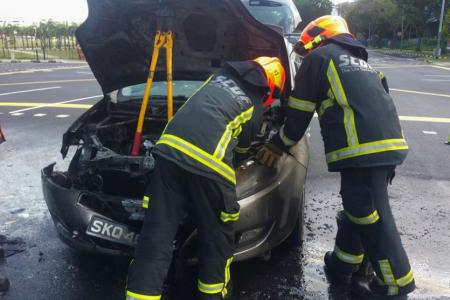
<point x="201" y="87"/>
<point x="367" y="148"/>
<point x="226" y="217"/>
<point x="388" y="277"/>
<point x="237" y="132"/>
<point x="286" y="141"/>
<point x="235" y="124"/>
<point x="302" y="105"/>
<point x="314" y="42"/>
<point x="405" y="280"/>
<point x="341" y="98"/>
<point x="145" y="201"/>
<point x="241" y="150"/>
<point x="199" y="155"/>
<point x="135" y="296"/>
<point x="206" y="288"/>
<point x="370" y="219"/>
<point x="227" y="277"/>
<point x="347" y="257"/>
<point x="326" y="104"/>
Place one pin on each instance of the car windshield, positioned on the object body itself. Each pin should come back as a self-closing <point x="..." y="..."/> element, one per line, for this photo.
<point x="272" y="13"/>
<point x="181" y="89"/>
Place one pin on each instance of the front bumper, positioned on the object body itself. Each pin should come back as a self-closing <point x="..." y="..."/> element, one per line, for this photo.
<point x="267" y="217"/>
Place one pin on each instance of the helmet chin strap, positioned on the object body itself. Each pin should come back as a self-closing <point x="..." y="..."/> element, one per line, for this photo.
<point x="314" y="43"/>
<point x="302" y="50"/>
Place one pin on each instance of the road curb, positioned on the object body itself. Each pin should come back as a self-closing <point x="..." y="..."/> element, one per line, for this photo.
<point x="408" y="54"/>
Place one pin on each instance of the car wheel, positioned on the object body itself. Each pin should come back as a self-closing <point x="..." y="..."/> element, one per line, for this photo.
<point x="295" y="239"/>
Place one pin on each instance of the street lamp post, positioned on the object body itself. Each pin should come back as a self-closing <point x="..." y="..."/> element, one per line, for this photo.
<point x="441" y="20"/>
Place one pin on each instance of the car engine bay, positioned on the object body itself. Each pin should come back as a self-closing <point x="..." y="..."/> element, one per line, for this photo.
<point x="103" y="163"/>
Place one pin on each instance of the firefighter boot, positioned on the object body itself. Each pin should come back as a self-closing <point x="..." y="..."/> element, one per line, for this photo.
<point x="335" y="274"/>
<point x="219" y="296"/>
<point x="375" y="289"/>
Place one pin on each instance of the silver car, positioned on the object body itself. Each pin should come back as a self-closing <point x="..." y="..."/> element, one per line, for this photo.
<point x="96" y="203"/>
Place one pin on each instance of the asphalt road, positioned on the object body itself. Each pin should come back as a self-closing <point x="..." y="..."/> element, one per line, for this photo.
<point x="41" y="267"/>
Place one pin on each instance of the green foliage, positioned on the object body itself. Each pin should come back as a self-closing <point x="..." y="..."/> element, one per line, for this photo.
<point x="384" y="17"/>
<point x="446" y="27"/>
<point x="312" y="9"/>
<point x="373" y="17"/>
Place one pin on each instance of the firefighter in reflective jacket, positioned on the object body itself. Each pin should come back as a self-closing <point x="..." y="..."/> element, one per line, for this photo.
<point x="194" y="165"/>
<point x="363" y="141"/>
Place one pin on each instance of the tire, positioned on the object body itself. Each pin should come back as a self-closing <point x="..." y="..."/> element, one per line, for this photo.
<point x="295" y="238"/>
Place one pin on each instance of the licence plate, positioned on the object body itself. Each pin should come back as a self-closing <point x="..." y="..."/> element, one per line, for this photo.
<point x="112" y="231"/>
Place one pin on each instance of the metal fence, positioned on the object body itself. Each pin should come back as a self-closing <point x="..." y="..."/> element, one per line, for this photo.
<point x="32" y="48"/>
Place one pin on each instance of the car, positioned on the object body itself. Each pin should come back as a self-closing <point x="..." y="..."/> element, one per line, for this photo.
<point x="281" y="15"/>
<point x="96" y="202"/>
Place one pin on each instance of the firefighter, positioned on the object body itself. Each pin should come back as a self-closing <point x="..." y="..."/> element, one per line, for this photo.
<point x="363" y="141"/>
<point x="194" y="165"/>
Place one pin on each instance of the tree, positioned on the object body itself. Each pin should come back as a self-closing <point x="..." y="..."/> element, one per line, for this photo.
<point x="312" y="9"/>
<point x="446" y="30"/>
<point x="373" y="18"/>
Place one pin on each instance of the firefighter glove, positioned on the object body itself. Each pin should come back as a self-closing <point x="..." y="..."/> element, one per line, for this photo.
<point x="269" y="155"/>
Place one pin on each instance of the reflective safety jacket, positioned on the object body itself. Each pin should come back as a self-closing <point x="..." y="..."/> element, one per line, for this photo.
<point x="223" y="115"/>
<point x="359" y="122"/>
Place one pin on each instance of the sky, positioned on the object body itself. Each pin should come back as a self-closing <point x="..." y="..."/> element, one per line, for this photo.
<point x="29" y="11"/>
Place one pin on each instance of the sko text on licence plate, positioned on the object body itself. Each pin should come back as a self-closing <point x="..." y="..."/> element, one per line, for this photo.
<point x="112" y="231"/>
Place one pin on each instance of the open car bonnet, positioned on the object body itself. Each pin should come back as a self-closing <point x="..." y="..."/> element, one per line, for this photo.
<point x="117" y="39"/>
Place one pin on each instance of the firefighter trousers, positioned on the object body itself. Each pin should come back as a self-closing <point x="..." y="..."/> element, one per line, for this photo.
<point x="369" y="229"/>
<point x="171" y="189"/>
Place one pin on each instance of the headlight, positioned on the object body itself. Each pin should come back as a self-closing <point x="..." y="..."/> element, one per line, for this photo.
<point x="253" y="177"/>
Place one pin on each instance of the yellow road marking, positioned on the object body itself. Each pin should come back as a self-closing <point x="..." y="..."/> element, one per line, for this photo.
<point x="420" y="93"/>
<point x="424" y="119"/>
<point x="45" y="82"/>
<point x="37" y="104"/>
<point x="86" y="106"/>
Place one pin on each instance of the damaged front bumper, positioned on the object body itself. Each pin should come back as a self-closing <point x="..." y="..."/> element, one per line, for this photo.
<point x="267" y="217"/>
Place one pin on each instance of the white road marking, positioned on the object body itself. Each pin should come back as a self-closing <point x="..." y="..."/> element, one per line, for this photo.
<point x="42" y="70"/>
<point x="437" y="75"/>
<point x="62" y="116"/>
<point x="62" y="102"/>
<point x="45" y="82"/>
<point x="39" y="115"/>
<point x="28" y="91"/>
<point x="16" y="114"/>
<point x="441" y="67"/>
<point x="81" y="72"/>
<point x="420" y="93"/>
<point x="437" y="80"/>
<point x="429" y="132"/>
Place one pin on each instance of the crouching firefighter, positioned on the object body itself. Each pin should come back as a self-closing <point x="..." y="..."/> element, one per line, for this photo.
<point x="363" y="141"/>
<point x="194" y="165"/>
